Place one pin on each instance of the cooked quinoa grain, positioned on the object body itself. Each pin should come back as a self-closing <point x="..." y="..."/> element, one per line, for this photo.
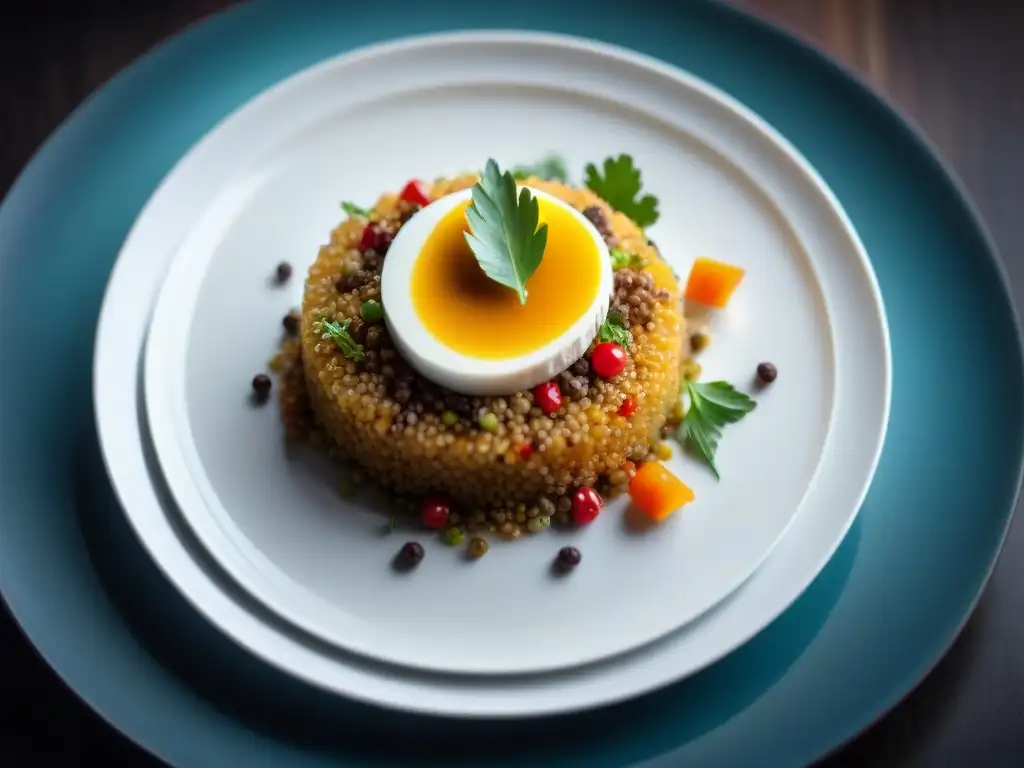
<point x="506" y="465"/>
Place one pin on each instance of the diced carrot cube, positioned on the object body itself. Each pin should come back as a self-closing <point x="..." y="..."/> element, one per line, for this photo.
<point x="712" y="282"/>
<point x="657" y="492"/>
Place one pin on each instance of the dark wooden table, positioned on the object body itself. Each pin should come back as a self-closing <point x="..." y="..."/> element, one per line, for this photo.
<point x="955" y="67"/>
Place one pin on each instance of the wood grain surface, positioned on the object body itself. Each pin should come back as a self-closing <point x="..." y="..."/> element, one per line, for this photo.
<point x="955" y="67"/>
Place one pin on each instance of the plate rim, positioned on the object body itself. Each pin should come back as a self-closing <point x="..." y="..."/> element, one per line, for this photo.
<point x="235" y="191"/>
<point x="894" y="121"/>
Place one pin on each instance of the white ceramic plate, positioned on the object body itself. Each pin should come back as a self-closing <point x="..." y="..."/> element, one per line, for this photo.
<point x="319" y="561"/>
<point x="861" y="367"/>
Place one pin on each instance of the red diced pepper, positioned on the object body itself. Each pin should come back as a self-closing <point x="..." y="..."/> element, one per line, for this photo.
<point x="413" y="192"/>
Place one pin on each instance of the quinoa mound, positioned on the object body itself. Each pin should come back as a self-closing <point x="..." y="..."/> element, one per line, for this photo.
<point x="415" y="438"/>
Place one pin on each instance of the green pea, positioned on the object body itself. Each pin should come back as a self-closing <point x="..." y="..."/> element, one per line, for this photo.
<point x="371" y="311"/>
<point x="489" y="422"/>
<point x="452" y="536"/>
<point x="449" y="418"/>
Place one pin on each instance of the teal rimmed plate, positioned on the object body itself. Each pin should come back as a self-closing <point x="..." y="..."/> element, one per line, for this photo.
<point x="912" y="566"/>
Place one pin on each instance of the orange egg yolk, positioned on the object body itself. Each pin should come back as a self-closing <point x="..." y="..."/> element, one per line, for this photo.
<point x="471" y="314"/>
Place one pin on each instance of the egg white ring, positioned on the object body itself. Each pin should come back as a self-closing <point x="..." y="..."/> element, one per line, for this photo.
<point x="469" y="375"/>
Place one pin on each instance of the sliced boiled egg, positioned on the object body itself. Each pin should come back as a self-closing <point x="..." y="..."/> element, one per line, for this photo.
<point x="463" y="331"/>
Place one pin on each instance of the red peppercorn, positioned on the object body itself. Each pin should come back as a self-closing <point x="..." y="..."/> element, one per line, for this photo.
<point x="608" y="360"/>
<point x="548" y="396"/>
<point x="586" y="505"/>
<point x="525" y="451"/>
<point x="413" y="192"/>
<point x="627" y="407"/>
<point x="375" y="238"/>
<point x="434" y="513"/>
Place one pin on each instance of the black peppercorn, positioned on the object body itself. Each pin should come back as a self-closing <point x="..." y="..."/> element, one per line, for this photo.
<point x="569" y="557"/>
<point x="766" y="373"/>
<point x="261" y="387"/>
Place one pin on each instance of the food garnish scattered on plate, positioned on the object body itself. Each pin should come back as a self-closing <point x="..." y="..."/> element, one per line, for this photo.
<point x="503" y="351"/>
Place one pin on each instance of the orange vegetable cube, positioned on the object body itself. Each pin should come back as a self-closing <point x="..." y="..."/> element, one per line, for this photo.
<point x="657" y="492"/>
<point x="712" y="282"/>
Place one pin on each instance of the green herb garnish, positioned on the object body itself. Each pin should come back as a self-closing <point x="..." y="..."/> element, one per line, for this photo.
<point x="620" y="187"/>
<point x="392" y="523"/>
<point x="348" y="346"/>
<point x="503" y="230"/>
<point x="712" y="405"/>
<point x="550" y="168"/>
<point x="354" y="210"/>
<point x="615" y="329"/>
<point x="624" y="260"/>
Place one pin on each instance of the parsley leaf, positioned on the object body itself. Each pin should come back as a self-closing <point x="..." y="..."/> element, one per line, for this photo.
<point x="712" y="406"/>
<point x="348" y="346"/>
<point x="615" y="329"/>
<point x="503" y="230"/>
<point x="550" y="168"/>
<point x="623" y="259"/>
<point x="354" y="210"/>
<point x="620" y="186"/>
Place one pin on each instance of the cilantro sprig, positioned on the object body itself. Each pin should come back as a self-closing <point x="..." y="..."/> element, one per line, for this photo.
<point x="551" y="167"/>
<point x="503" y="230"/>
<point x="354" y="210"/>
<point x="713" y="405"/>
<point x="620" y="186"/>
<point x="615" y="329"/>
<point x="339" y="333"/>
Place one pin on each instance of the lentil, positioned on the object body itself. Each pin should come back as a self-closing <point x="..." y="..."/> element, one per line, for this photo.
<point x="478" y="547"/>
<point x="597" y="217"/>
